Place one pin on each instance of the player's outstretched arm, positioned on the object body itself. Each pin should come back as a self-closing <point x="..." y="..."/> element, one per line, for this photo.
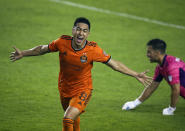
<point x="142" y="77"/>
<point x="38" y="50"/>
<point x="148" y="91"/>
<point x="145" y="94"/>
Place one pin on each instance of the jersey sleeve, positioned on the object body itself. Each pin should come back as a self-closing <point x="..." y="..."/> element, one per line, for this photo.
<point x="157" y="76"/>
<point x="53" y="46"/>
<point x="100" y="56"/>
<point x="173" y="74"/>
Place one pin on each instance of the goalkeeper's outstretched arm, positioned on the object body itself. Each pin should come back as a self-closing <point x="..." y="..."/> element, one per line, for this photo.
<point x="145" y="94"/>
<point x="148" y="91"/>
<point x="38" y="50"/>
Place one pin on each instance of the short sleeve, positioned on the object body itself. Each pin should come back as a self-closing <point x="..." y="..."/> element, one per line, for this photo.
<point x="100" y="56"/>
<point x="173" y="74"/>
<point x="157" y="76"/>
<point x="53" y="46"/>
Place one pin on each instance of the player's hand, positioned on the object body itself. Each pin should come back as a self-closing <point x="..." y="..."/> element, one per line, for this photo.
<point x="144" y="79"/>
<point x="169" y="111"/>
<point x="128" y="105"/>
<point x="16" y="55"/>
<point x="131" y="105"/>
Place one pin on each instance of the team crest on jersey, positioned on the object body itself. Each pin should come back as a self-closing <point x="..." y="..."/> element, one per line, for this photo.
<point x="83" y="58"/>
<point x="170" y="78"/>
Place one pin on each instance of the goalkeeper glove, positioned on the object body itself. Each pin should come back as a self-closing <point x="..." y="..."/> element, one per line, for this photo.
<point x="131" y="104"/>
<point x="169" y="111"/>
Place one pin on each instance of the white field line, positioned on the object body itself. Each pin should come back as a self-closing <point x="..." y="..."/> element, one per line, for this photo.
<point x="119" y="14"/>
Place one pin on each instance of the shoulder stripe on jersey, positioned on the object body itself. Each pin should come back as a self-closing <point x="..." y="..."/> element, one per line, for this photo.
<point x="66" y="37"/>
<point x="90" y="43"/>
<point x="182" y="77"/>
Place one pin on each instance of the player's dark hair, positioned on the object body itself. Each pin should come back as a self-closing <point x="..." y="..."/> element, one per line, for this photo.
<point x="157" y="44"/>
<point x="82" y="20"/>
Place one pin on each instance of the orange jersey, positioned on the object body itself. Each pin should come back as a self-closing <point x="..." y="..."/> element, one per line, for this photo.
<point x="76" y="65"/>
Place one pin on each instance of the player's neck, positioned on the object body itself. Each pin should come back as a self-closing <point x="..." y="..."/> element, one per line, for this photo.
<point x="161" y="59"/>
<point x="78" y="47"/>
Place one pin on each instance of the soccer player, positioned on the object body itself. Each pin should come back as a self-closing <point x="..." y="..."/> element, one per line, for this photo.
<point x="171" y="68"/>
<point x="76" y="56"/>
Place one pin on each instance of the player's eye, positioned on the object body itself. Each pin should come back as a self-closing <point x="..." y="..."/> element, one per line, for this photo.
<point x="85" y="30"/>
<point x="78" y="29"/>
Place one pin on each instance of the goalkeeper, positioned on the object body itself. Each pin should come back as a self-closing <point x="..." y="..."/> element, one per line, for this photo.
<point x="170" y="68"/>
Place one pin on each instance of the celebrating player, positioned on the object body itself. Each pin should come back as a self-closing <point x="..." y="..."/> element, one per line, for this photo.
<point x="169" y="67"/>
<point x="76" y="56"/>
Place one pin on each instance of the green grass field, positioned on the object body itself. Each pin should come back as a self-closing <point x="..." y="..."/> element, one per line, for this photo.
<point x="29" y="98"/>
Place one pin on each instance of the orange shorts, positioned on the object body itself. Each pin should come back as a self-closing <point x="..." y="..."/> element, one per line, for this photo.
<point x="79" y="101"/>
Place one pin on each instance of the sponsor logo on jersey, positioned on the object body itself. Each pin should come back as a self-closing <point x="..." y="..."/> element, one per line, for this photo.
<point x="83" y="58"/>
<point x="170" y="78"/>
<point x="177" y="59"/>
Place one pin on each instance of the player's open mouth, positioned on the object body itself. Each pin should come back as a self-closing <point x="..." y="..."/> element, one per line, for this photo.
<point x="79" y="39"/>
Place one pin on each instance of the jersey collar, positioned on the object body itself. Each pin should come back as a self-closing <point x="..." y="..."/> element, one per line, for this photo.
<point x="164" y="60"/>
<point x="78" y="49"/>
